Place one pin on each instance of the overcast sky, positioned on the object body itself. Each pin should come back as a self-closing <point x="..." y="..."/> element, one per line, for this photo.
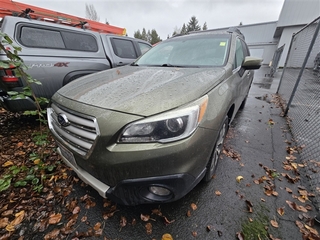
<point x="167" y="15"/>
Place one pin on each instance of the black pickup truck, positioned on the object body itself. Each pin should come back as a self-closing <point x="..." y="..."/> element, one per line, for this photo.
<point x="56" y="54"/>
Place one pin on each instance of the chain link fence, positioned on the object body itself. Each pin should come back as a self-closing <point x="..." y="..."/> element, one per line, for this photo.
<point x="299" y="89"/>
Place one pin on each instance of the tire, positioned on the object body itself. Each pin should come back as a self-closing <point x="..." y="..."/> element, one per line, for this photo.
<point x="217" y="149"/>
<point x="243" y="103"/>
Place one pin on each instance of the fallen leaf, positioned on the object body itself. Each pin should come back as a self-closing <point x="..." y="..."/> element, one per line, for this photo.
<point x="209" y="227"/>
<point x="294" y="206"/>
<point x="280" y="211"/>
<point x="312" y="230"/>
<point x="18" y="219"/>
<point x="4" y="222"/>
<point x="123" y="222"/>
<point x="271" y="122"/>
<point x="239" y="178"/>
<point x="167" y="236"/>
<point x="144" y="218"/>
<point x="157" y="212"/>
<point x="249" y="206"/>
<point x="55" y="218"/>
<point x="240" y="236"/>
<point x="52" y="235"/>
<point x="166" y="221"/>
<point x="7" y="164"/>
<point x="194" y="233"/>
<point x="148" y="228"/>
<point x="193" y="206"/>
<point x="288" y="190"/>
<point x="274" y="223"/>
<point x="76" y="210"/>
<point x="97" y="226"/>
<point x="188" y="213"/>
<point x="218" y="193"/>
<point x="37" y="161"/>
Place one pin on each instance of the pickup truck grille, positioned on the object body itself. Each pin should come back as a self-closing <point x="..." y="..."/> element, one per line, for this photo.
<point x="75" y="130"/>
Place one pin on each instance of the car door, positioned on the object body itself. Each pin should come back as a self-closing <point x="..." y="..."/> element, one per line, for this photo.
<point x="124" y="50"/>
<point x="242" y="76"/>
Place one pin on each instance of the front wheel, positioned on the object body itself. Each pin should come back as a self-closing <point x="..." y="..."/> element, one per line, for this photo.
<point x="213" y="162"/>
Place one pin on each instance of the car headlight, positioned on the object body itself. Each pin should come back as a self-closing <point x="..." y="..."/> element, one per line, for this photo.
<point x="166" y="127"/>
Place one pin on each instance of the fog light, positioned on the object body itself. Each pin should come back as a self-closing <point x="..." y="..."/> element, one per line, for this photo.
<point x="160" y="191"/>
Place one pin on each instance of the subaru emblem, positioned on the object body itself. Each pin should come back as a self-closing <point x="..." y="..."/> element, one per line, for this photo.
<point x="63" y="120"/>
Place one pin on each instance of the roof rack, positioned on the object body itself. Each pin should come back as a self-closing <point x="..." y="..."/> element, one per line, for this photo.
<point x="12" y="8"/>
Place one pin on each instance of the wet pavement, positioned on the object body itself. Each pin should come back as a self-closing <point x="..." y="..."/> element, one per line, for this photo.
<point x="256" y="146"/>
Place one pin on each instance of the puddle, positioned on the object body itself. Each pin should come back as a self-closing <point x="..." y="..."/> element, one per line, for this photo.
<point x="263" y="85"/>
<point x="264" y="98"/>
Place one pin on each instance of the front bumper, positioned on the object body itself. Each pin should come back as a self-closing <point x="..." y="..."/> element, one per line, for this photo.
<point x="136" y="191"/>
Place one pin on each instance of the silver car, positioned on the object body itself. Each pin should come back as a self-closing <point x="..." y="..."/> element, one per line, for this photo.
<point x="151" y="131"/>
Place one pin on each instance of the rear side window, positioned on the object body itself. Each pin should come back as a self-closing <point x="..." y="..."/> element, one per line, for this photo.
<point x="80" y="42"/>
<point x="43" y="38"/>
<point x="144" y="47"/>
<point x="56" y="39"/>
<point x="124" y="48"/>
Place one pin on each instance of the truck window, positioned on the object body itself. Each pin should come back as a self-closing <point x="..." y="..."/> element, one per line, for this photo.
<point x="144" y="47"/>
<point x="124" y="48"/>
<point x="79" y="41"/>
<point x="42" y="38"/>
<point x="50" y="38"/>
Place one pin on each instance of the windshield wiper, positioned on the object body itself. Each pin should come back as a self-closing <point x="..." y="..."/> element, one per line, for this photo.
<point x="169" y="65"/>
<point x="134" y="64"/>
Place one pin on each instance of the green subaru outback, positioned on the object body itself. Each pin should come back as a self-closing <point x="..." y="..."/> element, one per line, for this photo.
<point x="149" y="132"/>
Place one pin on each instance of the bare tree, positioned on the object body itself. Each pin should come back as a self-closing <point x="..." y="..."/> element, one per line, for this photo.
<point x="91" y="13"/>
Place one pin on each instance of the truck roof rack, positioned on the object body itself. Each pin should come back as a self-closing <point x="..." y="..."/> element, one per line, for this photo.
<point x="13" y="8"/>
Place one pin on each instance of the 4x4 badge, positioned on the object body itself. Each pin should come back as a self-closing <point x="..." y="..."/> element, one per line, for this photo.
<point x="63" y="120"/>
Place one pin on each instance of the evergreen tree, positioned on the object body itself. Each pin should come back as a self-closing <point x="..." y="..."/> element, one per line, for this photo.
<point x="137" y="34"/>
<point x="150" y="36"/>
<point x="154" y="37"/>
<point x="193" y="25"/>
<point x="144" y="35"/>
<point x="205" y="26"/>
<point x="184" y="29"/>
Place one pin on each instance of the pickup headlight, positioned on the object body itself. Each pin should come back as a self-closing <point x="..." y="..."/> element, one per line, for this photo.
<point x="166" y="127"/>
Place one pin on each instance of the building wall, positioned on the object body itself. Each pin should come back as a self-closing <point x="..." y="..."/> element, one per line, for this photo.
<point x="285" y="38"/>
<point x="297" y="12"/>
<point x="259" y="38"/>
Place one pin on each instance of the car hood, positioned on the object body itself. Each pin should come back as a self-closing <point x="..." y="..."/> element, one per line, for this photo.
<point x="143" y="91"/>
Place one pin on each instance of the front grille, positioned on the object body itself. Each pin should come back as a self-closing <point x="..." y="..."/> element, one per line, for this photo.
<point x="81" y="132"/>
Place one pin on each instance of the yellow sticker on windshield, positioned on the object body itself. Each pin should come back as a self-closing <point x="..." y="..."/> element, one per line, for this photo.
<point x="222" y="44"/>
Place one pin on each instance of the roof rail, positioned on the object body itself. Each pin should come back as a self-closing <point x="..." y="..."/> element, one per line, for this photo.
<point x="236" y="30"/>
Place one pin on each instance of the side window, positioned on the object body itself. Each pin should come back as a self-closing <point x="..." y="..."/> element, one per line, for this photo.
<point x="245" y="49"/>
<point x="56" y="39"/>
<point x="124" y="48"/>
<point x="144" y="47"/>
<point x="43" y="38"/>
<point x="79" y="41"/>
<point x="239" y="54"/>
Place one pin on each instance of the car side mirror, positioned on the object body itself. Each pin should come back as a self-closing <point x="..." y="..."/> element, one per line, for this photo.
<point x="251" y="63"/>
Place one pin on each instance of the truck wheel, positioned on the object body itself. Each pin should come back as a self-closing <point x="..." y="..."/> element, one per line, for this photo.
<point x="213" y="162"/>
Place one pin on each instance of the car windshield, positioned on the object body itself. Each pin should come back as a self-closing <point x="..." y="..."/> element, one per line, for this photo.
<point x="205" y="50"/>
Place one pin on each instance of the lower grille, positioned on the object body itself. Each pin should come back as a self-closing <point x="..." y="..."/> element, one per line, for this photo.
<point x="76" y="130"/>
